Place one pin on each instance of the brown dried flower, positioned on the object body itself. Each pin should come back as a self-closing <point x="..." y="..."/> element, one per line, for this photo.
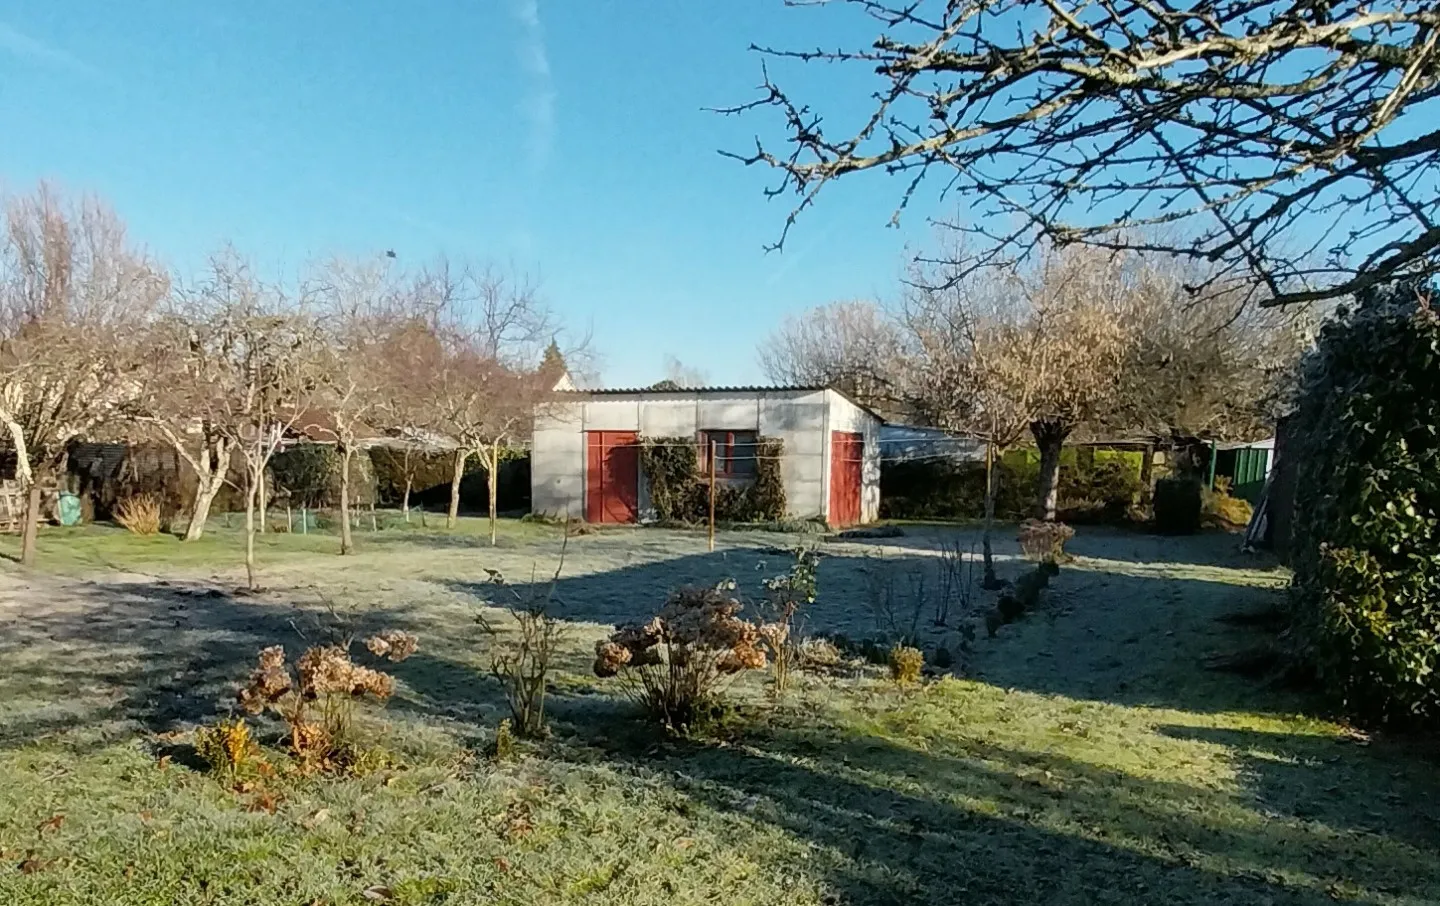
<point x="394" y="645"/>
<point x="269" y="681"/>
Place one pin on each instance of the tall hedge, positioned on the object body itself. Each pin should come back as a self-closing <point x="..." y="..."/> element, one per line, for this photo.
<point x="1366" y="546"/>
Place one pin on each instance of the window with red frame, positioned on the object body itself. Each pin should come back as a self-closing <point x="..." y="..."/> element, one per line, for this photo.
<point x="734" y="453"/>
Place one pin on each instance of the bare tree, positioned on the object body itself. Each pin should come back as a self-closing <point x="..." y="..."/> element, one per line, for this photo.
<point x="494" y="334"/>
<point x="73" y="297"/>
<point x="1215" y="371"/>
<point x="1077" y="337"/>
<point x="1290" y="147"/>
<point x="264" y="369"/>
<point x="973" y="370"/>
<point x="360" y="308"/>
<point x="185" y="384"/>
<point x="854" y="346"/>
<point x="681" y="376"/>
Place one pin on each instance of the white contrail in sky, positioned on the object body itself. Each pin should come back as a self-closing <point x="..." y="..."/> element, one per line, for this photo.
<point x="20" y="45"/>
<point x="539" y="102"/>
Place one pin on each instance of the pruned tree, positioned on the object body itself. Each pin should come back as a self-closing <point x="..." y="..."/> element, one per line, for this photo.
<point x="1223" y="370"/>
<point x="1076" y="342"/>
<point x="185" y="384"/>
<point x="73" y="297"/>
<point x="854" y="346"/>
<point x="973" y="371"/>
<point x="494" y="330"/>
<point x="264" y="368"/>
<point x="359" y="308"/>
<point x="1292" y="148"/>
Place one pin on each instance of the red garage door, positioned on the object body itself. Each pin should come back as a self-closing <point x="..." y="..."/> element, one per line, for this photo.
<point x="612" y="476"/>
<point x="847" y="459"/>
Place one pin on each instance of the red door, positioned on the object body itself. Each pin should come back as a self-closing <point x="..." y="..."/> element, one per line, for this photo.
<point x="847" y="460"/>
<point x="612" y="476"/>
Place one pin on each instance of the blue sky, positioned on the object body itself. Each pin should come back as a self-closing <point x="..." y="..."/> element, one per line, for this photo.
<point x="567" y="137"/>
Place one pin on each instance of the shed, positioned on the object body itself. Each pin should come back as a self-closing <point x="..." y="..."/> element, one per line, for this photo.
<point x="585" y="458"/>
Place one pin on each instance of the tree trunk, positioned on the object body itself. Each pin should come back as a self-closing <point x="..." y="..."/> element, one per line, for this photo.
<point x="250" y="495"/>
<point x="262" y="501"/>
<point x="31" y="529"/>
<point x="405" y="501"/>
<point x="205" y="493"/>
<point x="1050" y="437"/>
<point x="1147" y="477"/>
<point x="209" y="480"/>
<point x="347" y="543"/>
<point x="990" y="581"/>
<point x="494" y="483"/>
<point x="454" y="515"/>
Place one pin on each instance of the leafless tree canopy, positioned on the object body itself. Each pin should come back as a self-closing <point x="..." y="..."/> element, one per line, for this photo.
<point x="853" y="346"/>
<point x="1292" y="147"/>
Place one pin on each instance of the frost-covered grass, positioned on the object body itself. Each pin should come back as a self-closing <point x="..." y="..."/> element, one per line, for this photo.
<point x="1088" y="758"/>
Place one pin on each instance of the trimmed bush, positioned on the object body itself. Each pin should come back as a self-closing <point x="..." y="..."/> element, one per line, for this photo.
<point x="1366" y="523"/>
<point x="1179" y="503"/>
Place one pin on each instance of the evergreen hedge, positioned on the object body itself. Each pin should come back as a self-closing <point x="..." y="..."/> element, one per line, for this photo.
<point x="1366" y="543"/>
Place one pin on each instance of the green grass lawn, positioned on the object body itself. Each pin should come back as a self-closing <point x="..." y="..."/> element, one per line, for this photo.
<point x="1088" y="758"/>
<point x="101" y="547"/>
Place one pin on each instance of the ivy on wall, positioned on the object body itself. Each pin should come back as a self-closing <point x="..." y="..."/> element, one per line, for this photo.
<point x="680" y="492"/>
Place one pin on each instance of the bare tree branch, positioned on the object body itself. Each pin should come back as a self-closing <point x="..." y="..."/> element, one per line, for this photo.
<point x="1289" y="147"/>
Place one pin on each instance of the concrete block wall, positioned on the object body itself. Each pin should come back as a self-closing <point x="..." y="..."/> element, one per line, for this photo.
<point x="800" y="419"/>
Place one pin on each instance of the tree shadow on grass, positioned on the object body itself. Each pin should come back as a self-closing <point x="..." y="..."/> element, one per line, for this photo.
<point x="884" y="823"/>
<point x="102" y="658"/>
<point x="1344" y="783"/>
<point x="1138" y="638"/>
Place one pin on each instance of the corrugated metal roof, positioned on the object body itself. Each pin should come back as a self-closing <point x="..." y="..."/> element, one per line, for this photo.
<point x="739" y="388"/>
<point x="700" y="391"/>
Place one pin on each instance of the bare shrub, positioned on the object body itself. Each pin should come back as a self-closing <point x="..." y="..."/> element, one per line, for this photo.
<point x="523" y="667"/>
<point x="784" y="596"/>
<point x="139" y="514"/>
<point x="679" y="663"/>
<point x="317" y="698"/>
<point x="896" y="592"/>
<point x="1044" y="542"/>
<point x="955" y="584"/>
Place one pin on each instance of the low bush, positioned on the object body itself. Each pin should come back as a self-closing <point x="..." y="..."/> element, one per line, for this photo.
<point x="1222" y="510"/>
<point x="139" y="514"/>
<point x="230" y="750"/>
<point x="1044" y="542"/>
<point x="677" y="665"/>
<point x="1179" y="504"/>
<point x="906" y="663"/>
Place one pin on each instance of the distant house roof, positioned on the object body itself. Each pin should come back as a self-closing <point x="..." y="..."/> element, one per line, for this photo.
<point x="716" y="391"/>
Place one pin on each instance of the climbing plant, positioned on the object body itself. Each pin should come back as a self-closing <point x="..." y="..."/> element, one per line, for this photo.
<point x="1367" y="508"/>
<point x="680" y="491"/>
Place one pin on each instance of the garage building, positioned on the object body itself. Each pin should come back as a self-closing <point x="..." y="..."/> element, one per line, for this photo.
<point x="586" y="456"/>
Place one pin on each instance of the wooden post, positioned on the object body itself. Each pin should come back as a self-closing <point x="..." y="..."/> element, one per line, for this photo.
<point x="374" y="526"/>
<point x="304" y="520"/>
<point x="289" y="519"/>
<point x="712" y="496"/>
